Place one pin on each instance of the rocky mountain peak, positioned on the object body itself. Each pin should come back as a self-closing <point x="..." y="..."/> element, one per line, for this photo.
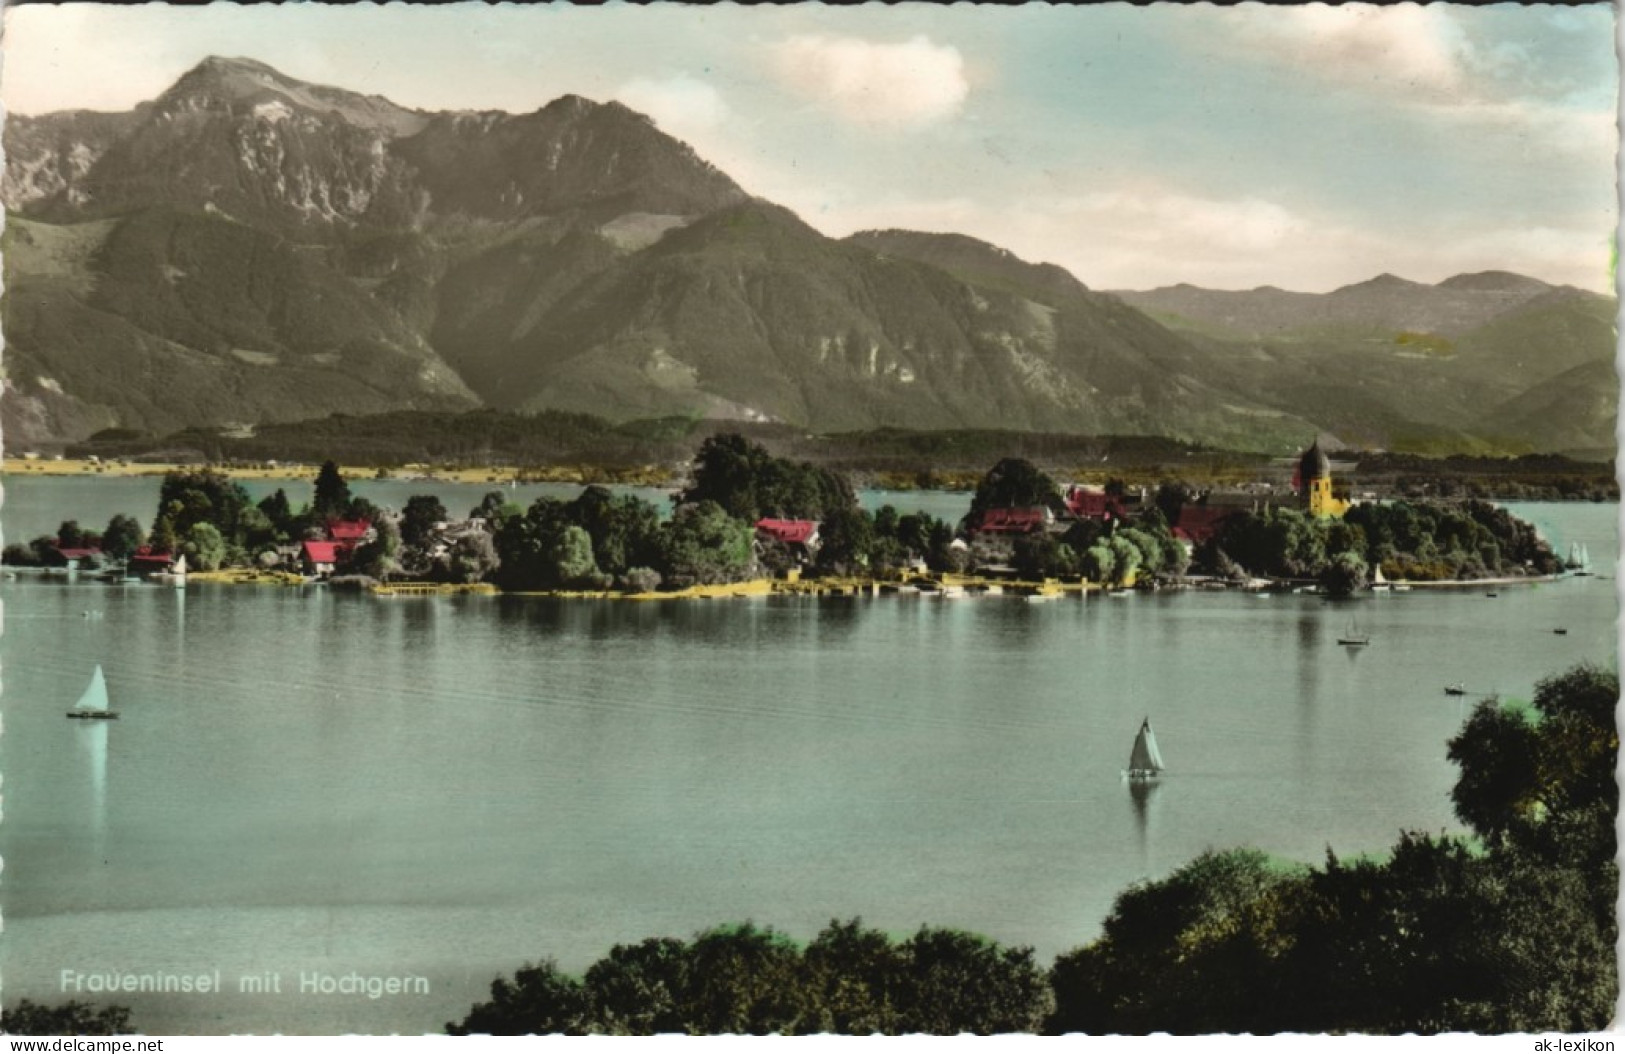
<point x="241" y="86"/>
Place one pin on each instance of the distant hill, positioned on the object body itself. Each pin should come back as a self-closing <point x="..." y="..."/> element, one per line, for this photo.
<point x="1435" y="368"/>
<point x="250" y="248"/>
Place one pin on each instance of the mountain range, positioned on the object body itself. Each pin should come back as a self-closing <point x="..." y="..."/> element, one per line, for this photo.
<point x="248" y="248"/>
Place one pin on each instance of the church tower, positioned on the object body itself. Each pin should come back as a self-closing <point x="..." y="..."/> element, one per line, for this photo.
<point x="1314" y="479"/>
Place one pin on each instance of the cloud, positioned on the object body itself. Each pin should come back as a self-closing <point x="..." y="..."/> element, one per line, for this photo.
<point x="1140" y="233"/>
<point x="1419" y="51"/>
<point x="680" y="105"/>
<point x="909" y="84"/>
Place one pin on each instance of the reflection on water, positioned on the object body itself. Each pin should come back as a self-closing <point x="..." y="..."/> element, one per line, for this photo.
<point x="1141" y="794"/>
<point x="91" y="737"/>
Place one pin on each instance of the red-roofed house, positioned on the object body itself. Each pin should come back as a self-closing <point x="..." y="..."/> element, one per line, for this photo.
<point x="800" y="537"/>
<point x="1026" y="520"/>
<point x="321" y="557"/>
<point x="1198" y="523"/>
<point x="791" y="532"/>
<point x="144" y="562"/>
<point x="352" y="531"/>
<point x="72" y="557"/>
<point x="1093" y="503"/>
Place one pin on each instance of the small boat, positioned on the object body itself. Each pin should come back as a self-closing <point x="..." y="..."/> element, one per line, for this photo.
<point x="1455" y="689"/>
<point x="1354" y="638"/>
<point x="1579" y="560"/>
<point x="1379" y="584"/>
<point x="1492" y="596"/>
<point x="1561" y="631"/>
<point x="1145" y="760"/>
<point x="92" y="706"/>
<point x="176" y="575"/>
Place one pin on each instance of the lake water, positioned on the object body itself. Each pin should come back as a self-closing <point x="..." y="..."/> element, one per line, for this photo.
<point x="447" y="788"/>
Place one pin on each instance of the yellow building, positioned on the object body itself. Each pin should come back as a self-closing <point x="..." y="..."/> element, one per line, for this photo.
<point x="1314" y="481"/>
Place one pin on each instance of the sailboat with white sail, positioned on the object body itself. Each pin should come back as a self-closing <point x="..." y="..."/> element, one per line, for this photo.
<point x="1579" y="560"/>
<point x="1354" y="636"/>
<point x="92" y="705"/>
<point x="1145" y="760"/>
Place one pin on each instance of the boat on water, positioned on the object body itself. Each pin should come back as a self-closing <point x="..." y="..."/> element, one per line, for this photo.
<point x="1561" y="631"/>
<point x="1354" y="637"/>
<point x="1379" y="584"/>
<point x="176" y="575"/>
<point x="1455" y="689"/>
<point x="1579" y="560"/>
<point x="1145" y="760"/>
<point x="92" y="706"/>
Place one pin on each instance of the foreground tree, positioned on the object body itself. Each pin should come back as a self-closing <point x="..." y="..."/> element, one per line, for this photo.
<point x="27" y="1018"/>
<point x="1440" y="936"/>
<point x="749" y="980"/>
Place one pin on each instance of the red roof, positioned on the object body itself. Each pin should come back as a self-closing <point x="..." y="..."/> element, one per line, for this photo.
<point x="1200" y="522"/>
<point x="1092" y="503"/>
<point x="347" y="530"/>
<point x="77" y="554"/>
<point x="322" y="552"/>
<point x="1017" y="521"/>
<point x="790" y="532"/>
<point x="145" y="555"/>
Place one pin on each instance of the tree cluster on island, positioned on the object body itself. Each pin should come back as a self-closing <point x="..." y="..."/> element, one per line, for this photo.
<point x="605" y="541"/>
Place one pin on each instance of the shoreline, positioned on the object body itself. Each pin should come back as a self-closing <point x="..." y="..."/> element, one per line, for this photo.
<point x="646" y="476"/>
<point x="949" y="586"/>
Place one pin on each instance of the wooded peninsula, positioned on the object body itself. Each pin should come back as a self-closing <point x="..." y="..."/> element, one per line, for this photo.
<point x="746" y="515"/>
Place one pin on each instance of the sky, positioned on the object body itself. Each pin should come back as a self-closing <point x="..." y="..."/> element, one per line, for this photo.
<point x="1305" y="148"/>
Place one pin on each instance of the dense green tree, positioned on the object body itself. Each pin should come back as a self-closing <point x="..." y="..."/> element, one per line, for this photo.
<point x="958" y="982"/>
<point x="122" y="537"/>
<point x="360" y="508"/>
<point x="332" y="500"/>
<point x="540" y="1000"/>
<point x="852" y="981"/>
<point x="1343" y="574"/>
<point x="742" y="981"/>
<point x="204" y="547"/>
<point x="473" y="558"/>
<point x="206" y="496"/>
<point x="641" y="989"/>
<point x="1040" y="555"/>
<point x="1099" y="563"/>
<point x="380" y="557"/>
<point x="625" y="529"/>
<point x="703" y="544"/>
<point x="1126" y="558"/>
<point x="418" y="519"/>
<point x="748" y="483"/>
<point x="573" y="564"/>
<point x="27" y="1018"/>
<point x="495" y="509"/>
<point x="640" y="580"/>
<point x="845" y="538"/>
<point x="278" y="511"/>
<point x="18" y="555"/>
<point x="1013" y="483"/>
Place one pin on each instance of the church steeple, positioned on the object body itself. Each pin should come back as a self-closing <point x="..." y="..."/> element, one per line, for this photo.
<point x="1315" y="483"/>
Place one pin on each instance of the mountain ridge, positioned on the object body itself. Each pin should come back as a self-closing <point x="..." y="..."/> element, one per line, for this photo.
<point x="301" y="247"/>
